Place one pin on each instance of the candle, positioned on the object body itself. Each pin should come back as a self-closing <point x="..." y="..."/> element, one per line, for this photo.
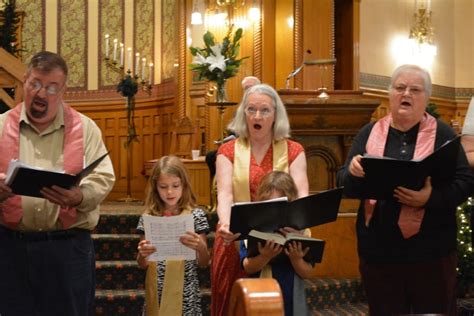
<point x="121" y="54"/>
<point x="143" y="68"/>
<point x="107" y="46"/>
<point x="115" y="49"/>
<point x="137" y="63"/>
<point x="129" y="58"/>
<point x="428" y="6"/>
<point x="151" y="73"/>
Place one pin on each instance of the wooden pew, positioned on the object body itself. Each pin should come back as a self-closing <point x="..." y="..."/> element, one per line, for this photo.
<point x="251" y="297"/>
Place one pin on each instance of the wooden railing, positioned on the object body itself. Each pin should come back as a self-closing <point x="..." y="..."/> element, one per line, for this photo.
<point x="12" y="72"/>
<point x="252" y="297"/>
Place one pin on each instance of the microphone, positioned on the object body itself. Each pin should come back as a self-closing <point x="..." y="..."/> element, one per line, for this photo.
<point x="328" y="61"/>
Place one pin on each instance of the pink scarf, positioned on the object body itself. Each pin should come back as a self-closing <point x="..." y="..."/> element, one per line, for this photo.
<point x="12" y="211"/>
<point x="410" y="217"/>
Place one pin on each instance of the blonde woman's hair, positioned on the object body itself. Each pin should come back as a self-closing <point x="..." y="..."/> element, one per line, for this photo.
<point x="277" y="181"/>
<point x="281" y="126"/>
<point x="170" y="165"/>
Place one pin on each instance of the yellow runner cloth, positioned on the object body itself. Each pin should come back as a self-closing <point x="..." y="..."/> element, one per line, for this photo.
<point x="173" y="286"/>
<point x="240" y="176"/>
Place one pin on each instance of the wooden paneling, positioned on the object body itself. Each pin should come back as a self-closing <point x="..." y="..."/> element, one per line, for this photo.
<point x="340" y="257"/>
<point x="153" y="119"/>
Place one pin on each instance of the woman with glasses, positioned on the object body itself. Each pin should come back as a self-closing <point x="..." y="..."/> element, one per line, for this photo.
<point x="262" y="146"/>
<point x="407" y="243"/>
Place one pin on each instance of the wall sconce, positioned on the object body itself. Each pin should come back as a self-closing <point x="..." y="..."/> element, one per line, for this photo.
<point x="196" y="16"/>
<point x="421" y="35"/>
<point x="418" y="48"/>
<point x="254" y="12"/>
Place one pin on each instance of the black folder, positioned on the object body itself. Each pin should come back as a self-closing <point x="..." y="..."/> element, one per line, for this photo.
<point x="28" y="180"/>
<point x="383" y="175"/>
<point x="269" y="216"/>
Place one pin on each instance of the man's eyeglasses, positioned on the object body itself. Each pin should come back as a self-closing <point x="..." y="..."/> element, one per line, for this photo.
<point x="263" y="112"/>
<point x="36" y="86"/>
<point x="411" y="90"/>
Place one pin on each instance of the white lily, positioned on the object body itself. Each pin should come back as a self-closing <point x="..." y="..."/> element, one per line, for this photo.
<point x="199" y="59"/>
<point x="217" y="60"/>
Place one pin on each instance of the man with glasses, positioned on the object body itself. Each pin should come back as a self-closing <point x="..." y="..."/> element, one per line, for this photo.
<point x="47" y="259"/>
<point x="407" y="244"/>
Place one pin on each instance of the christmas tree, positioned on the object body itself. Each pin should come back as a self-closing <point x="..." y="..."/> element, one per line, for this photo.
<point x="465" y="253"/>
<point x="8" y="27"/>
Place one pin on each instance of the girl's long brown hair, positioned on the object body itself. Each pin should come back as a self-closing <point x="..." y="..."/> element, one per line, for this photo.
<point x="171" y="165"/>
<point x="278" y="181"/>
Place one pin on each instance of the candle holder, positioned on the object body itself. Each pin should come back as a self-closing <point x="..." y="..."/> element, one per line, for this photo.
<point x="128" y="87"/>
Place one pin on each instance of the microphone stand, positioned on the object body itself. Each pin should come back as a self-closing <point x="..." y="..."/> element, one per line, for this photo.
<point x="292" y="74"/>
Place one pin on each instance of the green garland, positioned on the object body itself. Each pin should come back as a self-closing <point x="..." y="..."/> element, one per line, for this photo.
<point x="465" y="253"/>
<point x="128" y="87"/>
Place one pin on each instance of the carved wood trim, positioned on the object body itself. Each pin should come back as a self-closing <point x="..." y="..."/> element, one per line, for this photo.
<point x="181" y="96"/>
<point x="257" y="48"/>
<point x="298" y="42"/>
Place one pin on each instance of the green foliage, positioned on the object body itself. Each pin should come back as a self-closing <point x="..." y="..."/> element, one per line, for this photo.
<point x="128" y="87"/>
<point x="217" y="61"/>
<point x="432" y="109"/>
<point x="465" y="253"/>
<point x="9" y="26"/>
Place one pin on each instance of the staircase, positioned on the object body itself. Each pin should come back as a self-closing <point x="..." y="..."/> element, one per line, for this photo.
<point x="120" y="282"/>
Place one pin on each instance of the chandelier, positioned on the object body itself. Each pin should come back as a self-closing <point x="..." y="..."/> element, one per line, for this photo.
<point x="418" y="48"/>
<point x="422" y="31"/>
<point x="234" y="3"/>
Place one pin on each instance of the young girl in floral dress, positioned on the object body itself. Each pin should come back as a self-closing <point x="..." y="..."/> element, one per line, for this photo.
<point x="169" y="194"/>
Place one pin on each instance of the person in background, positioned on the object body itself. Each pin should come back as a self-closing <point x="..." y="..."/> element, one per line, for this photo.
<point x="47" y="259"/>
<point x="249" y="81"/>
<point x="467" y="141"/>
<point x="262" y="146"/>
<point x="289" y="270"/>
<point x="407" y="245"/>
<point x="467" y="138"/>
<point x="169" y="193"/>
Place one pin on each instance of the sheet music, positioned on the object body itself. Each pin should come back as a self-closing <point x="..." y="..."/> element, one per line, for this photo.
<point x="164" y="232"/>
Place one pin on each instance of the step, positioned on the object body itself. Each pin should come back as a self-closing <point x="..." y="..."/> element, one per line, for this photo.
<point x="130" y="302"/>
<point x="117" y="223"/>
<point x="122" y="275"/>
<point x="119" y="275"/>
<point x="115" y="247"/>
<point x="119" y="302"/>
<point x="323" y="293"/>
<point x="348" y="309"/>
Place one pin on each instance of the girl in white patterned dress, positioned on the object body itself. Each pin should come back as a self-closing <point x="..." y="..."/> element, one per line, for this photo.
<point x="169" y="194"/>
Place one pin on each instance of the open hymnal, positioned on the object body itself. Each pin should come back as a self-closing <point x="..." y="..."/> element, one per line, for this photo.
<point x="270" y="215"/>
<point x="28" y="180"/>
<point x="316" y="246"/>
<point x="164" y="231"/>
<point x="384" y="174"/>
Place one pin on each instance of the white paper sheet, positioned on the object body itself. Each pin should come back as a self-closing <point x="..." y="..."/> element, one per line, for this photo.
<point x="164" y="232"/>
<point x="468" y="126"/>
